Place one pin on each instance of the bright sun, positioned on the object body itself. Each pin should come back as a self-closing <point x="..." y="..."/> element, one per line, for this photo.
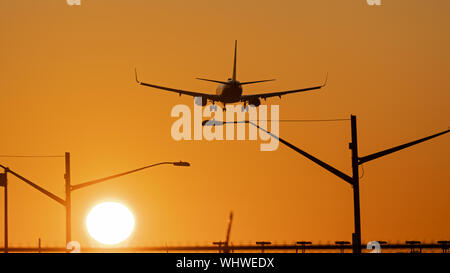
<point x="110" y="223"/>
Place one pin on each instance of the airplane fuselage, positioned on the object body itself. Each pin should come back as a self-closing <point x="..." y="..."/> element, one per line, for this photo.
<point x="230" y="92"/>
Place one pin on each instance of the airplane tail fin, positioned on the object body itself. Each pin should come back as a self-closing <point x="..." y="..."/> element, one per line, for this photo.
<point x="234" y="66"/>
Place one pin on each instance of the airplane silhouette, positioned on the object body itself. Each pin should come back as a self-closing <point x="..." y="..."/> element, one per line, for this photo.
<point x="231" y="90"/>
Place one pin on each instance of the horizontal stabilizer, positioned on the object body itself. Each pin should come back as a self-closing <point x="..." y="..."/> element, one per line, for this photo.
<point x="208" y="80"/>
<point x="242" y="83"/>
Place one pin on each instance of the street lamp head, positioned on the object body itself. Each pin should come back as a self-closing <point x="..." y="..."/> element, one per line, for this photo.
<point x="182" y="164"/>
<point x="212" y="122"/>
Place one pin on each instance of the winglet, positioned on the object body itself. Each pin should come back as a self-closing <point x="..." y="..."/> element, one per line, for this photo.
<point x="326" y="80"/>
<point x="135" y="74"/>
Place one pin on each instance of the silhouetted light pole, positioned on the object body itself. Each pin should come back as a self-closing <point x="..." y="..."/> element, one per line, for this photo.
<point x="342" y="244"/>
<point x="4" y="183"/>
<point x="445" y="245"/>
<point x="303" y="245"/>
<point x="69" y="188"/>
<point x="219" y="245"/>
<point x="68" y="204"/>
<point x="262" y="244"/>
<point x="413" y="245"/>
<point x="356" y="236"/>
<point x="356" y="161"/>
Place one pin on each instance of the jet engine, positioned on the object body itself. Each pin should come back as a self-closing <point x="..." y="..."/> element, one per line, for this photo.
<point x="201" y="102"/>
<point x="255" y="102"/>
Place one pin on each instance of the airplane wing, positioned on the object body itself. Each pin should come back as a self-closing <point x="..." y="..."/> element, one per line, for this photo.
<point x="281" y="93"/>
<point x="212" y="97"/>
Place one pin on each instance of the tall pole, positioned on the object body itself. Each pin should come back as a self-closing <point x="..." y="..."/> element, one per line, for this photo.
<point x="356" y="236"/>
<point x="68" y="200"/>
<point x="6" y="210"/>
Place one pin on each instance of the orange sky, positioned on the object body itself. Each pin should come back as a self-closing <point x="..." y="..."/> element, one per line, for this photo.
<point x="67" y="84"/>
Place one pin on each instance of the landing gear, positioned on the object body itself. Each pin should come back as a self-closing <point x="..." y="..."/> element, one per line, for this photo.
<point x="213" y="108"/>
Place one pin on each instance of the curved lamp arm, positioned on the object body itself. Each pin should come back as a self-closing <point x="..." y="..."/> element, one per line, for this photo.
<point x="96" y="181"/>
